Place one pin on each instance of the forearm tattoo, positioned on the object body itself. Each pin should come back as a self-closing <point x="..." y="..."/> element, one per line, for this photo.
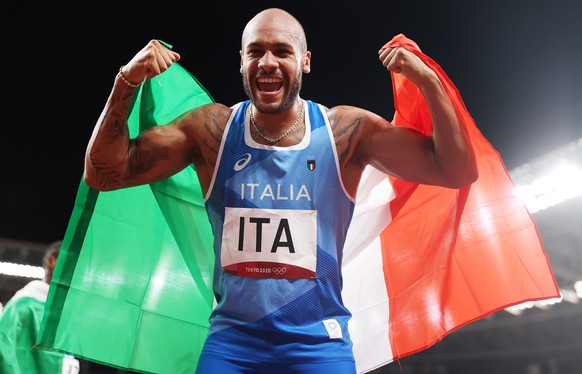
<point x="108" y="178"/>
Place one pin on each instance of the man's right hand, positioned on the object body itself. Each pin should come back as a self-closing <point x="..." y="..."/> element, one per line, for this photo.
<point x="153" y="59"/>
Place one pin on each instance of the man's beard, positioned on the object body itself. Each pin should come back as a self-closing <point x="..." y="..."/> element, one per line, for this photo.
<point x="288" y="100"/>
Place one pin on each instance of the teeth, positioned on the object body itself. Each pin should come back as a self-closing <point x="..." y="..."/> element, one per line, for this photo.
<point x="268" y="80"/>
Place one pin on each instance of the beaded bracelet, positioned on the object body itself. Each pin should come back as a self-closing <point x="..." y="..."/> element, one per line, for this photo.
<point x="125" y="80"/>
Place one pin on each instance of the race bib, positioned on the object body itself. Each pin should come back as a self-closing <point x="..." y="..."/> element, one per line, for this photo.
<point x="269" y="243"/>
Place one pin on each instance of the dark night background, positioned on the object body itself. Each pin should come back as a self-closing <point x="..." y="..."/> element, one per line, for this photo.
<point x="515" y="63"/>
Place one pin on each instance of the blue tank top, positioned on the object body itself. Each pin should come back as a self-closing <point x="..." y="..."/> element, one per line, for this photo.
<point x="279" y="217"/>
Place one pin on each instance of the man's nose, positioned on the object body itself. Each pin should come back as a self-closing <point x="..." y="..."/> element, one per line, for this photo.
<point x="268" y="62"/>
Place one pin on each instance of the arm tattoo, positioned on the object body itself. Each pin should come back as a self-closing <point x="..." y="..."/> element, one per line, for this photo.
<point x="117" y="118"/>
<point x="215" y="133"/>
<point x="345" y="135"/>
<point x="210" y="147"/>
<point x="116" y="130"/>
<point x="145" y="160"/>
<point x="108" y="178"/>
<point x="212" y="135"/>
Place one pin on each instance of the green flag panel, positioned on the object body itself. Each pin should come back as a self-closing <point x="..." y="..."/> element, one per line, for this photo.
<point x="133" y="284"/>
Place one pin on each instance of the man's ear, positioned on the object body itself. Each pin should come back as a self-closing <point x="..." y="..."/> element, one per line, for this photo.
<point x="306" y="64"/>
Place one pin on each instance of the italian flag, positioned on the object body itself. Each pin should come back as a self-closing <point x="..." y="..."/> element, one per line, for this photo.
<point x="133" y="283"/>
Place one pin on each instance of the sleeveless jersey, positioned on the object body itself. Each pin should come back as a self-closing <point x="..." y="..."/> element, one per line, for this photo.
<point x="279" y="217"/>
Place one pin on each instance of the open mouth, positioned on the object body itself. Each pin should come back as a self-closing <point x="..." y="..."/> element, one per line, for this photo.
<point x="268" y="84"/>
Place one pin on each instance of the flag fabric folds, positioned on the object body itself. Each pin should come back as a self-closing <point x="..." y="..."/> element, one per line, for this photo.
<point x="133" y="283"/>
<point x="444" y="257"/>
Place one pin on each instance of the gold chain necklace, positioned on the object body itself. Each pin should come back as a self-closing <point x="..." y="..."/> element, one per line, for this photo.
<point x="282" y="136"/>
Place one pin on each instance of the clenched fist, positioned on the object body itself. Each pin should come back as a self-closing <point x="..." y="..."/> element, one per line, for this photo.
<point x="401" y="61"/>
<point x="152" y="60"/>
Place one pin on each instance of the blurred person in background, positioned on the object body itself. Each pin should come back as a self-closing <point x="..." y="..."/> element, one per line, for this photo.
<point x="19" y="325"/>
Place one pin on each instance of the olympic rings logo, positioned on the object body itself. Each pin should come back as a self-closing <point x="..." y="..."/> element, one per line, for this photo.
<point x="279" y="270"/>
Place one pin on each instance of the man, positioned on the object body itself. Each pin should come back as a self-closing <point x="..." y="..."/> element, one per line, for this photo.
<point x="280" y="175"/>
<point x="19" y="325"/>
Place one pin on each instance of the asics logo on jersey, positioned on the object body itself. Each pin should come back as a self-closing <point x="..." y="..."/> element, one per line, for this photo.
<point x="240" y="164"/>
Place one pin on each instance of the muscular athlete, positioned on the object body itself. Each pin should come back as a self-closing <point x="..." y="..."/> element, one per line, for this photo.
<point x="273" y="59"/>
<point x="273" y="125"/>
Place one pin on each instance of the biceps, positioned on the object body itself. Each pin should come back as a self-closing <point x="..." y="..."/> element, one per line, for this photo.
<point x="401" y="152"/>
<point x="158" y="152"/>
